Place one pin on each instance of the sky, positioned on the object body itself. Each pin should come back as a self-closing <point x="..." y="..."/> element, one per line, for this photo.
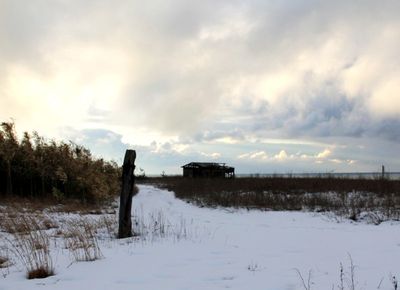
<point x="265" y="86"/>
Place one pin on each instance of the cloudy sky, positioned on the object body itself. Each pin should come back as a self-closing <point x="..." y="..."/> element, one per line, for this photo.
<point x="266" y="86"/>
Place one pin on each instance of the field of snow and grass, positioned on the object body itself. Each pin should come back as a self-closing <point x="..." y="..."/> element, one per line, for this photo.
<point x="181" y="246"/>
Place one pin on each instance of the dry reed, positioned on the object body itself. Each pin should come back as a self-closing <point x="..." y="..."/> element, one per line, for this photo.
<point x="31" y="246"/>
<point x="81" y="241"/>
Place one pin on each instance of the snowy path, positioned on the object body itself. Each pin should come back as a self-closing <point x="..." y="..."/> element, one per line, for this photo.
<point x="226" y="249"/>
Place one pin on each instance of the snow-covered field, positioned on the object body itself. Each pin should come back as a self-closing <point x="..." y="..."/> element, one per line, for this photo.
<point x="187" y="247"/>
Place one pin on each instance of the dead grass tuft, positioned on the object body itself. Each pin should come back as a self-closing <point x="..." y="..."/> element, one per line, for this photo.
<point x="31" y="245"/>
<point x="80" y="239"/>
<point x="13" y="222"/>
<point x="109" y="222"/>
<point x="40" y="273"/>
<point x="3" y="262"/>
<point x="48" y="224"/>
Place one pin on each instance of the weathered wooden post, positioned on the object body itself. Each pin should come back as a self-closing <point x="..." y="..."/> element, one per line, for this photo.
<point x="127" y="190"/>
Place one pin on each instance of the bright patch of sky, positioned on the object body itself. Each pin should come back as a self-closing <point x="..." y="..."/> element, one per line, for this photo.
<point x="265" y="86"/>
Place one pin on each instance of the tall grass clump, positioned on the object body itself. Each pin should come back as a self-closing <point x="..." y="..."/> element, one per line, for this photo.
<point x="5" y="260"/>
<point x="81" y="241"/>
<point x="110" y="223"/>
<point x="155" y="225"/>
<point x="31" y="246"/>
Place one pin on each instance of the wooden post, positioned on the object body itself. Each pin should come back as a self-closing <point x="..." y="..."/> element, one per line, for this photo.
<point x="125" y="205"/>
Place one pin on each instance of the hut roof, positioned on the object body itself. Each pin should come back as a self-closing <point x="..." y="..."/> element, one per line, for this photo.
<point x="206" y="165"/>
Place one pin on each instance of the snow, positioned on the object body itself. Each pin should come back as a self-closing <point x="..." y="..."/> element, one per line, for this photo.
<point x="204" y="248"/>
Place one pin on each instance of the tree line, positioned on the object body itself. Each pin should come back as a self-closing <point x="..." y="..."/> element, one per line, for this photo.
<point x="37" y="168"/>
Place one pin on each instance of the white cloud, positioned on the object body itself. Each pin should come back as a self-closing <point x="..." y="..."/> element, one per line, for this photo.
<point x="282" y="155"/>
<point x="214" y="155"/>
<point x="324" y="154"/>
<point x="255" y="72"/>
<point x="258" y="155"/>
<point x="243" y="156"/>
<point x="170" y="147"/>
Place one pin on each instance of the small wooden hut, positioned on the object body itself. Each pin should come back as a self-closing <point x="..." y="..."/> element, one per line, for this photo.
<point x="208" y="170"/>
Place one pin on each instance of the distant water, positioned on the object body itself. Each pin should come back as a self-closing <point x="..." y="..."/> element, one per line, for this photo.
<point x="364" y="175"/>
